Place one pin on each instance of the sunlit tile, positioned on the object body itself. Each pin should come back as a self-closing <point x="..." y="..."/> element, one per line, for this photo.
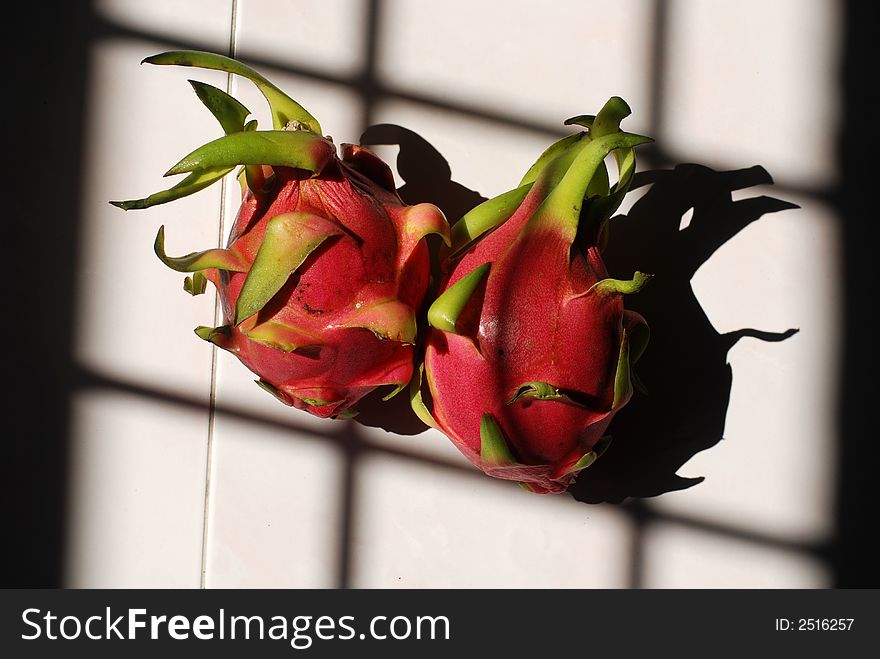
<point x="274" y="507"/>
<point x="775" y="470"/>
<point x="135" y="505"/>
<point x="423" y="526"/>
<point x="677" y="557"/>
<point x="205" y="22"/>
<point x="541" y="63"/>
<point x="327" y="36"/>
<point x="754" y="82"/>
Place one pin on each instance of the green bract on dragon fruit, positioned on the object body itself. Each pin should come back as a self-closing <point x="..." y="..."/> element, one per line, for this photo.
<point x="325" y="267"/>
<point x="529" y="351"/>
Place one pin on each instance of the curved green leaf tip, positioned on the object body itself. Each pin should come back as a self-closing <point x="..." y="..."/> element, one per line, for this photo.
<point x="494" y="451"/>
<point x="222" y="259"/>
<point x="228" y="111"/>
<point x="219" y="336"/>
<point x="417" y="402"/>
<point x="609" y="117"/>
<point x="540" y="390"/>
<point x="397" y="389"/>
<point x="585" y="120"/>
<point x="487" y="215"/>
<point x="286" y="148"/>
<point x="586" y="460"/>
<point x="589" y="458"/>
<point x="283" y="108"/>
<point x="277" y="393"/>
<point x="197" y="284"/>
<point x="622" y="286"/>
<point x="445" y="310"/>
<point x="622" y="378"/>
<point x="197" y="180"/>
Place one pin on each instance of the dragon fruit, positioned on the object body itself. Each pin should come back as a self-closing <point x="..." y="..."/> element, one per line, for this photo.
<point x="325" y="266"/>
<point x="529" y="352"/>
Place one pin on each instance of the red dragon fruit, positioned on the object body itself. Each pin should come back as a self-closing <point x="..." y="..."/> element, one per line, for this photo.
<point x="325" y="267"/>
<point x="529" y="352"/>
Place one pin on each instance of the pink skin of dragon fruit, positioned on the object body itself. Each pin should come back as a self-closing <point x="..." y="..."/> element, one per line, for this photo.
<point x="325" y="267"/>
<point x="529" y="352"/>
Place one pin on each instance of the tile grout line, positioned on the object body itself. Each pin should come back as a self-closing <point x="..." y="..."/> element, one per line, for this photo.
<point x="212" y="401"/>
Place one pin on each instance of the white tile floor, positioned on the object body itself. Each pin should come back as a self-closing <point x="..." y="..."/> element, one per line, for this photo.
<point x="165" y="494"/>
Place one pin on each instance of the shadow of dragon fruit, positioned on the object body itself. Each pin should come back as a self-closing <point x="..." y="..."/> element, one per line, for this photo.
<point x="529" y="350"/>
<point x="325" y="267"/>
